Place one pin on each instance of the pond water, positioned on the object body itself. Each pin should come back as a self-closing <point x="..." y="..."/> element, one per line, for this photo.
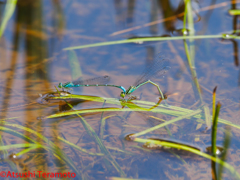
<point x="39" y="49"/>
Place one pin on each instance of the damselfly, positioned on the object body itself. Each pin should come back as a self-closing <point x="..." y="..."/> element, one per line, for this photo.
<point x="158" y="68"/>
<point x="98" y="81"/>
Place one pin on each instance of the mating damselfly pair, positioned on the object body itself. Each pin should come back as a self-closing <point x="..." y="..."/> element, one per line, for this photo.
<point x="159" y="67"/>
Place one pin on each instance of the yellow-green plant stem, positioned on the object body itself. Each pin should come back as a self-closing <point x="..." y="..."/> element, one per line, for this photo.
<point x="8" y="12"/>
<point x="145" y="40"/>
<point x="214" y="140"/>
<point x="166" y="123"/>
<point x="214" y="102"/>
<point x="145" y="105"/>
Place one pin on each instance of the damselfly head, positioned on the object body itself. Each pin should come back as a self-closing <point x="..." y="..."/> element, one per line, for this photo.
<point x="60" y="85"/>
<point x="122" y="94"/>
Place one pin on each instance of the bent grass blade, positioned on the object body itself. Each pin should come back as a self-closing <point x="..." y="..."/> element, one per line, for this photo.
<point x="193" y="150"/>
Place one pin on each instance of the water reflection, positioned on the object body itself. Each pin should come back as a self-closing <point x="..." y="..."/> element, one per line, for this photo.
<point x="195" y="10"/>
<point x="235" y="43"/>
<point x="28" y="62"/>
<point x="169" y="18"/>
<point x="28" y="33"/>
<point x="167" y="11"/>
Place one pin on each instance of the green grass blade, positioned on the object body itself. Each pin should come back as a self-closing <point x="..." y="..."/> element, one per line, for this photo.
<point x="207" y="116"/>
<point x="230" y="36"/>
<point x="214" y="130"/>
<point x="11" y="131"/>
<point x="95" y="110"/>
<point x="102" y="147"/>
<point x="190" y="149"/>
<point x="103" y="122"/>
<point x="8" y="12"/>
<point x="214" y="140"/>
<point x="166" y="123"/>
<point x="234" y="12"/>
<point x="214" y="102"/>
<point x="34" y="146"/>
<point x="26" y="145"/>
<point x="79" y="148"/>
<point x="143" y="40"/>
<point x="226" y="145"/>
<point x="145" y="106"/>
<point x="190" y="52"/>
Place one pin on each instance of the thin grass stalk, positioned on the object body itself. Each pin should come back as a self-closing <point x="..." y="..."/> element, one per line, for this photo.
<point x="79" y="148"/>
<point x="214" y="103"/>
<point x="166" y="123"/>
<point x="26" y="145"/>
<point x="102" y="124"/>
<point x="191" y="30"/>
<point x="226" y="144"/>
<point x="101" y="146"/>
<point x="234" y="12"/>
<point x="191" y="56"/>
<point x="214" y="130"/>
<point x="153" y="107"/>
<point x="214" y="140"/>
<point x="11" y="131"/>
<point x="207" y="116"/>
<point x="34" y="146"/>
<point x="149" y="39"/>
